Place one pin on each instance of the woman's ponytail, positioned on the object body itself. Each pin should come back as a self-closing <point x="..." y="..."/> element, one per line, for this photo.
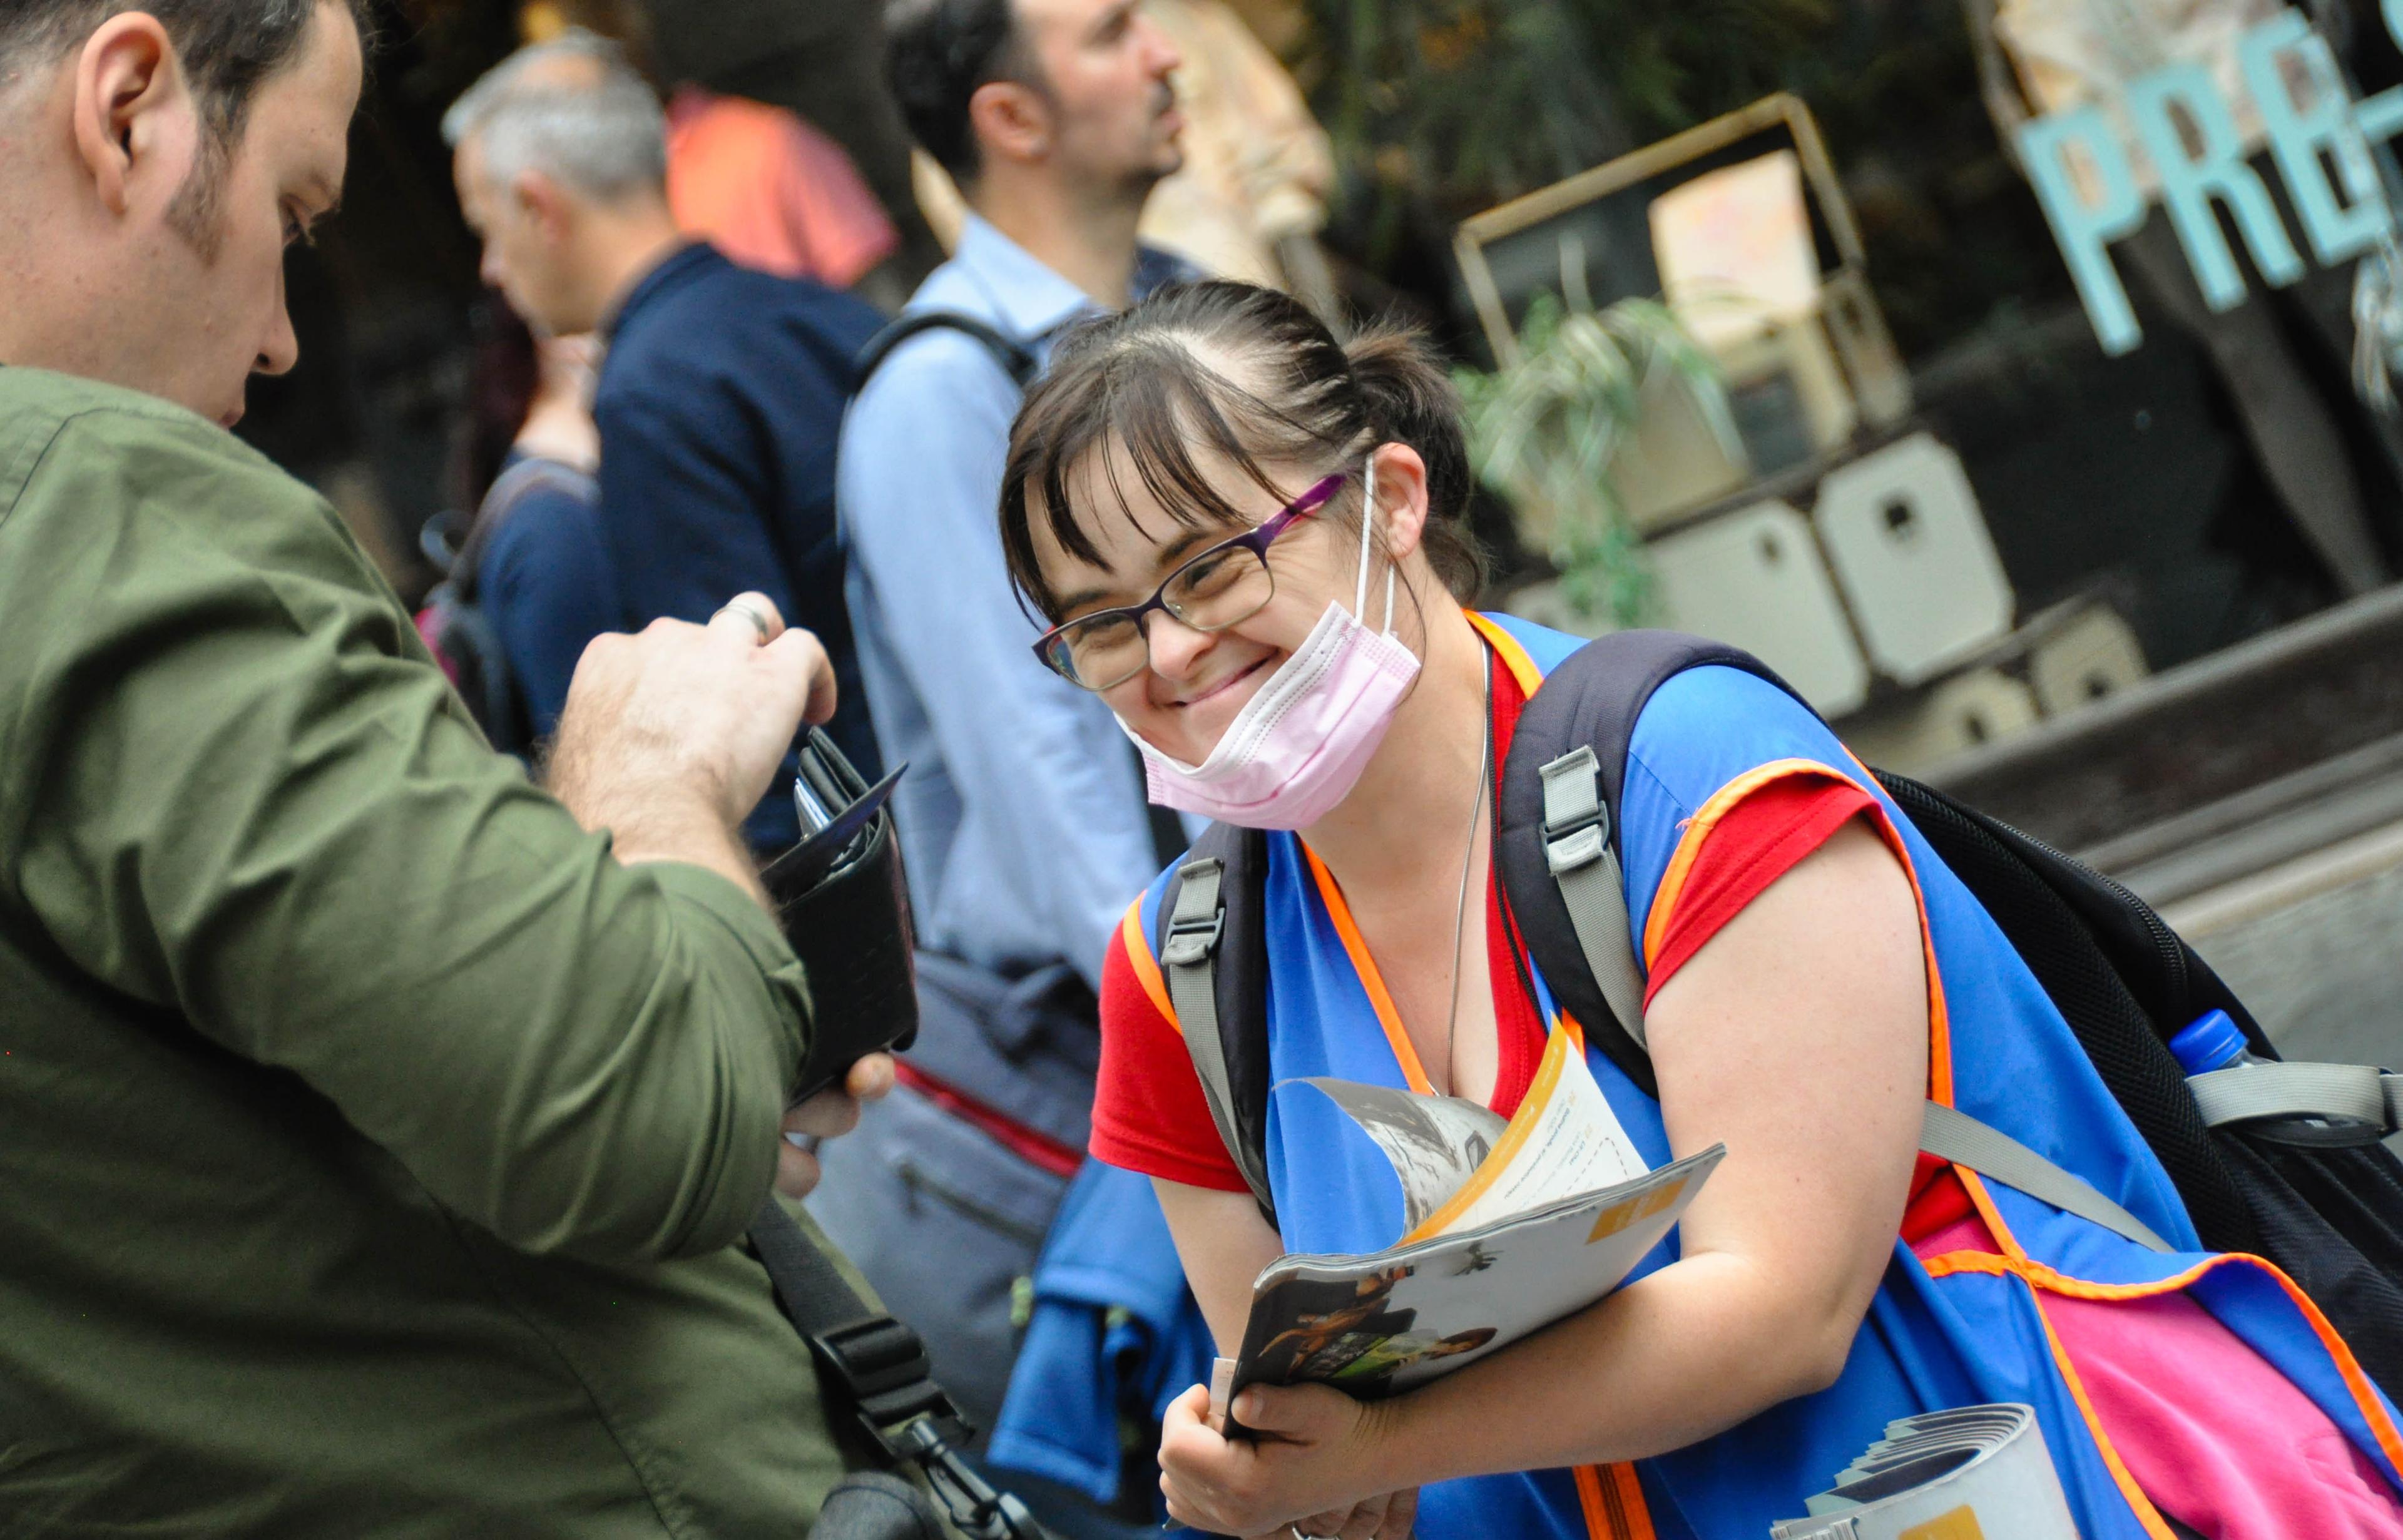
<point x="1411" y="400"/>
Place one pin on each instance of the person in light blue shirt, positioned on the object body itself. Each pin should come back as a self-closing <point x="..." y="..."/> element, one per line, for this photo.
<point x="1021" y="816"/>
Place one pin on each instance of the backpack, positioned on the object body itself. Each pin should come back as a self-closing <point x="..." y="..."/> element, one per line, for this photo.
<point x="1015" y="357"/>
<point x="454" y="621"/>
<point x="2330" y="1217"/>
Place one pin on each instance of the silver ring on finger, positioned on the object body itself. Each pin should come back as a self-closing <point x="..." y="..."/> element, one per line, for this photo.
<point x="750" y="612"/>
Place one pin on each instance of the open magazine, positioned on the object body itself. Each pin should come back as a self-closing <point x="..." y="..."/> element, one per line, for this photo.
<point x="1499" y="1229"/>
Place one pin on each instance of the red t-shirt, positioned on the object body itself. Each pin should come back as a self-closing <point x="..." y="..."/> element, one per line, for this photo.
<point x="1148" y="1111"/>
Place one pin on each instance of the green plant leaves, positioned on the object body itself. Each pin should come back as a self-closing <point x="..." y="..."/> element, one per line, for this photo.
<point x="1545" y="432"/>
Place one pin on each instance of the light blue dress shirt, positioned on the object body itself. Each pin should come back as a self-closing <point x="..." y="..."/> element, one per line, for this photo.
<point x="1021" y="816"/>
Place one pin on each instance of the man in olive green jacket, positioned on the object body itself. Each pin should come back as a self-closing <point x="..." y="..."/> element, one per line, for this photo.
<point x="377" y="1131"/>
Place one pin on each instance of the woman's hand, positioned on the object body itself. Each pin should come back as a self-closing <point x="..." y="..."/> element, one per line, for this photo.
<point x="1309" y="1467"/>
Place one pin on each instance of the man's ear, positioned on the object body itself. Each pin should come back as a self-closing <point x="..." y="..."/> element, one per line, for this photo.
<point x="135" y="120"/>
<point x="542" y="200"/>
<point x="1011" y="121"/>
<point x="1402" y="497"/>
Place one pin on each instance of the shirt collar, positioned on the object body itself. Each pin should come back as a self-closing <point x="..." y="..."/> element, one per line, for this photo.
<point x="1033" y="301"/>
<point x="680" y="268"/>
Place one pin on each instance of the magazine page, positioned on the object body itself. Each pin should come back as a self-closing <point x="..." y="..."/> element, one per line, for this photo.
<point x="1434" y="1143"/>
<point x="1565" y="1140"/>
<point x="1458" y="1164"/>
<point x="1377" y="1324"/>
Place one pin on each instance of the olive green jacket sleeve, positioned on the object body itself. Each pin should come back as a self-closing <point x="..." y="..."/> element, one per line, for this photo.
<point x="234" y="787"/>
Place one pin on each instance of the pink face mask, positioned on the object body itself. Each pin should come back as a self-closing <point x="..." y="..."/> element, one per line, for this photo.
<point x="1298" y="747"/>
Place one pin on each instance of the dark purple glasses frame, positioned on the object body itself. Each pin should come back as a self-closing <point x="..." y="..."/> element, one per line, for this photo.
<point x="1050" y="648"/>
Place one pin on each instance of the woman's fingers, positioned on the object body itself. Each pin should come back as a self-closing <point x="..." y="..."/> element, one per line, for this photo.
<point x="1401" y="1512"/>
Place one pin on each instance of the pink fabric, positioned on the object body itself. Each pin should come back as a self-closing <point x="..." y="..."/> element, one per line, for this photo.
<point x="2213" y="1433"/>
<point x="2219" y="1439"/>
<point x="770" y="191"/>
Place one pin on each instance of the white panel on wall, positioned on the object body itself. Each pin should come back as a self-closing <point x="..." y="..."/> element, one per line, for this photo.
<point x="1903" y="532"/>
<point x="1754" y="578"/>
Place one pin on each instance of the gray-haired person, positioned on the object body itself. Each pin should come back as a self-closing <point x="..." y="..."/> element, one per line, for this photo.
<point x="723" y="389"/>
<point x="376" y="1128"/>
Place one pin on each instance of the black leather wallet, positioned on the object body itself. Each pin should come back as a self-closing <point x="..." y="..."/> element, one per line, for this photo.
<point x="843" y="902"/>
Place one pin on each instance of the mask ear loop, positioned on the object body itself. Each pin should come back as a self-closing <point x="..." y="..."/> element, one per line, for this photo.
<point x="1367" y="529"/>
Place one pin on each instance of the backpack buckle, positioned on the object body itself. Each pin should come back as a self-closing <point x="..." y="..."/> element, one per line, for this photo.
<point x="882" y="1366"/>
<point x="1582" y="844"/>
<point x="1191" y="938"/>
<point x="1577" y="821"/>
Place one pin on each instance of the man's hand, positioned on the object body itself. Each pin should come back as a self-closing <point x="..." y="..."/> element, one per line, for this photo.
<point x="1307" y="1467"/>
<point x="668" y="738"/>
<point x="828" y="1114"/>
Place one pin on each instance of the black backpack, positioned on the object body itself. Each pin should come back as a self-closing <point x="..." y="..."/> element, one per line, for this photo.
<point x="454" y="621"/>
<point x="2329" y="1216"/>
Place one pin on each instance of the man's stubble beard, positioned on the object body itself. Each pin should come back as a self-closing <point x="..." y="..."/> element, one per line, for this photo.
<point x="197" y="212"/>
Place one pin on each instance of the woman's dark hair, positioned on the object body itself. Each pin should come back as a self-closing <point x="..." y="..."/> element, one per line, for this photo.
<point x="1252" y="377"/>
<point x="937" y="53"/>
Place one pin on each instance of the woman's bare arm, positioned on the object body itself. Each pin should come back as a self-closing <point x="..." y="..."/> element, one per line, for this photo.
<point x="1224" y="1243"/>
<point x="1799" y="1036"/>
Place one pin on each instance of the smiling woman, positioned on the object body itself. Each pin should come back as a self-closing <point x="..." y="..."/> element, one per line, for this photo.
<point x="1199" y="496"/>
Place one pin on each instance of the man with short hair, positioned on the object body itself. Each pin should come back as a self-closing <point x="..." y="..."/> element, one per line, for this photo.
<point x="722" y="392"/>
<point x="1022" y="813"/>
<point x="375" y="1129"/>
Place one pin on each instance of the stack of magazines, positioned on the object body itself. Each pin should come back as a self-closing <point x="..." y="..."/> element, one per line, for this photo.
<point x="1960" y="1474"/>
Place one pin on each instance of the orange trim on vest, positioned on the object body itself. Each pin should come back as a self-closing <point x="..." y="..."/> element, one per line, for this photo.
<point x="1365" y="968"/>
<point x="1612" y="1501"/>
<point x="1698" y="828"/>
<point x="1507" y="647"/>
<point x="1147" y="967"/>
<point x="2142" y="1506"/>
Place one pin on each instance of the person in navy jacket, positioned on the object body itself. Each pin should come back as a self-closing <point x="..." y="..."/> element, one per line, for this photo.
<point x="722" y="392"/>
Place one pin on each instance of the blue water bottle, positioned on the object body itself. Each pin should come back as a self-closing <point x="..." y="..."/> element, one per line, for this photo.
<point x="2213" y="1041"/>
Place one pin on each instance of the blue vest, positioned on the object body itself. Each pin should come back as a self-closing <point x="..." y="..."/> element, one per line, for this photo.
<point x="1958" y="1330"/>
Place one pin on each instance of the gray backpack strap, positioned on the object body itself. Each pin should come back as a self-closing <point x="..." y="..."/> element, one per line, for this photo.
<point x="1950" y="1134"/>
<point x="1578" y="847"/>
<point x="2246" y="1092"/>
<point x="1190" y="959"/>
<point x="1584" y="862"/>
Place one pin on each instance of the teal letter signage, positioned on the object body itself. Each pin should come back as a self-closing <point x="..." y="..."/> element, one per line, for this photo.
<point x="2082" y="175"/>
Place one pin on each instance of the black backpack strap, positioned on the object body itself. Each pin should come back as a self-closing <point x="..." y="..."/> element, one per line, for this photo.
<point x="880" y="1366"/>
<point x="1558" y="837"/>
<point x="1212" y="943"/>
<point x="1569" y="758"/>
<point x="503" y="497"/>
<point x="1016" y="358"/>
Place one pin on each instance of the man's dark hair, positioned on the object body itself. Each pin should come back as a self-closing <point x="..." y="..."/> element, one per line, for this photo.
<point x="937" y="53"/>
<point x="229" y="47"/>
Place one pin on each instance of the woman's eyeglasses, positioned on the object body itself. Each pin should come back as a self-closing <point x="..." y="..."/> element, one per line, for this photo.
<point x="1223" y="585"/>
